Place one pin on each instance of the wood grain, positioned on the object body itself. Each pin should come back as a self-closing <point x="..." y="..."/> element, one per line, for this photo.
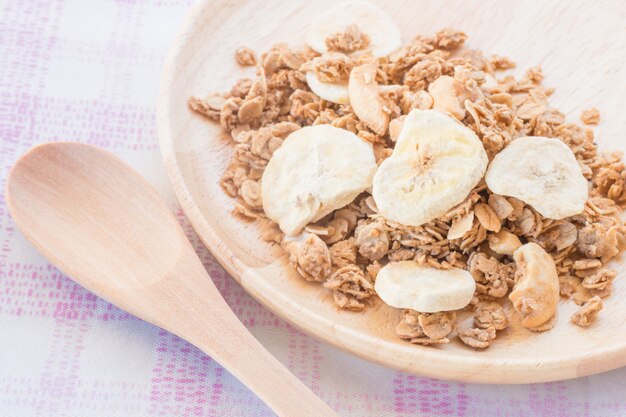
<point x="580" y="47"/>
<point x="99" y="222"/>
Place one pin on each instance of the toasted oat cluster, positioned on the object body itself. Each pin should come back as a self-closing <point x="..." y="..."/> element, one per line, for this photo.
<point x="520" y="247"/>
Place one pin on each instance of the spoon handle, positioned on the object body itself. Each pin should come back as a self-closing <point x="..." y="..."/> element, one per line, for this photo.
<point x="206" y="321"/>
<point x="251" y="363"/>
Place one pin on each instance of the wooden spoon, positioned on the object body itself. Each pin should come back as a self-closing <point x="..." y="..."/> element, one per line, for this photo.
<point x="101" y="223"/>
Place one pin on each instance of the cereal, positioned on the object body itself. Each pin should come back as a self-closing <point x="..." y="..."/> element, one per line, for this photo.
<point x="330" y="68"/>
<point x="438" y="325"/>
<point x="493" y="278"/>
<point x="350" y="287"/>
<point x="477" y="338"/>
<point x="309" y="255"/>
<point x="587" y="313"/>
<point x="211" y="106"/>
<point x="372" y="239"/>
<point x="590" y="116"/>
<point x="486" y="232"/>
<point x="245" y="56"/>
<point x="490" y="315"/>
<point x="343" y="253"/>
<point x="353" y="27"/>
<point x="349" y="41"/>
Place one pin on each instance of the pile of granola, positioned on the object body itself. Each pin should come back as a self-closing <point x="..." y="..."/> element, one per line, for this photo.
<point x="345" y="249"/>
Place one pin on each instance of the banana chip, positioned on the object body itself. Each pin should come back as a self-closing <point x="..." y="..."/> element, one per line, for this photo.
<point x="316" y="170"/>
<point x="542" y="172"/>
<point x="435" y="164"/>
<point x="408" y="284"/>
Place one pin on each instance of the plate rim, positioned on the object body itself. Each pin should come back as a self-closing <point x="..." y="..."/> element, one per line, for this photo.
<point x="426" y="362"/>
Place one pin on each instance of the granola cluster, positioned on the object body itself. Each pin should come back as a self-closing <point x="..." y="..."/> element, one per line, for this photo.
<point x="345" y="249"/>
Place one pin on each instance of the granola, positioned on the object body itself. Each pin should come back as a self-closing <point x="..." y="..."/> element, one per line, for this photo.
<point x="350" y="40"/>
<point x="372" y="239"/>
<point x="490" y="315"/>
<point x="245" y="56"/>
<point x="350" y="287"/>
<point x="310" y="256"/>
<point x="587" y="313"/>
<point x="346" y="248"/>
<point x="414" y="327"/>
<point x="477" y="337"/>
<point x="590" y="116"/>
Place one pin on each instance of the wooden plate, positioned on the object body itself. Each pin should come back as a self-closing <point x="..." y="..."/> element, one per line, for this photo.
<point x="580" y="46"/>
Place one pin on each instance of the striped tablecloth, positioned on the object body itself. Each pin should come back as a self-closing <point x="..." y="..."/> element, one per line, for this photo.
<point x="88" y="71"/>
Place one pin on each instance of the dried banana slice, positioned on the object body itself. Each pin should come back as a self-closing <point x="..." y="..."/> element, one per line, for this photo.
<point x="435" y="164"/>
<point x="408" y="284"/>
<point x="384" y="35"/>
<point x="333" y="92"/>
<point x="316" y="170"/>
<point x="542" y="172"/>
